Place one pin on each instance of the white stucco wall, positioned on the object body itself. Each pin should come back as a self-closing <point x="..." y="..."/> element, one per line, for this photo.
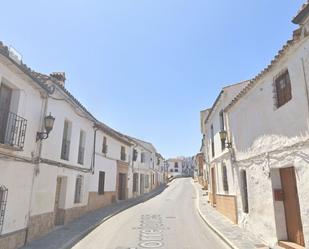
<point x="258" y="128"/>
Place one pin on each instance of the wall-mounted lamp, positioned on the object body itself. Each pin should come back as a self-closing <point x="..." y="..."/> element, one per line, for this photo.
<point x="223" y="137"/>
<point x="48" y="124"/>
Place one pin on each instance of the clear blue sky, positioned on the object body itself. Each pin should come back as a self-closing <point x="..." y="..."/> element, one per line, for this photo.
<point x="147" y="67"/>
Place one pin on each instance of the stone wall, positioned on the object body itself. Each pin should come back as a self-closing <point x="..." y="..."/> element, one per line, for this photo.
<point x="40" y="225"/>
<point x="13" y="240"/>
<point x="72" y="213"/>
<point x="97" y="201"/>
<point x="226" y="204"/>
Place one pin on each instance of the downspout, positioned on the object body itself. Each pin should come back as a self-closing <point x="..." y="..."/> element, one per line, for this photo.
<point x="94" y="147"/>
<point x="306" y="85"/>
<point x="231" y="150"/>
<point x="36" y="162"/>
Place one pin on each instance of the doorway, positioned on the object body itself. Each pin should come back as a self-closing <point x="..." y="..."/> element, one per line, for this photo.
<point x="291" y="206"/>
<point x="58" y="217"/>
<point x="213" y="186"/>
<point x="122" y="186"/>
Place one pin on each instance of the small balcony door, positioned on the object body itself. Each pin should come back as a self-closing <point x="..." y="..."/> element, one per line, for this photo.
<point x="5" y="104"/>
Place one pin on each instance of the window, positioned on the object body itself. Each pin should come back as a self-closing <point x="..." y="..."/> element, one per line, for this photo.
<point x="147" y="181"/>
<point x="3" y="200"/>
<point x="158" y="161"/>
<point x="81" y="147"/>
<point x="222" y="127"/>
<point x="135" y="182"/>
<point x="123" y="153"/>
<point x="135" y="154"/>
<point x="104" y="146"/>
<point x="65" y="149"/>
<point x="224" y="178"/>
<point x="176" y="164"/>
<point x="244" y="197"/>
<point x="283" y="88"/>
<point x="176" y="170"/>
<point x="101" y="183"/>
<point x="142" y="157"/>
<point x="212" y="141"/>
<point x="78" y="189"/>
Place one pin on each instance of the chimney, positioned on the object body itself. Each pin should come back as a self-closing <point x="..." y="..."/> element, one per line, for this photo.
<point x="60" y="76"/>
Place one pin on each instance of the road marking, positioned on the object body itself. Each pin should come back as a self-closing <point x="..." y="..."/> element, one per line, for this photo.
<point x="151" y="231"/>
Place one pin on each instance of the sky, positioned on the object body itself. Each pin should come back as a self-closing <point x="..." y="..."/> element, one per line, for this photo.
<point x="148" y="67"/>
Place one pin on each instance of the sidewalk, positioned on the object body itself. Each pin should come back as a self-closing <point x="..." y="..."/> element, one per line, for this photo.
<point x="232" y="234"/>
<point x="68" y="235"/>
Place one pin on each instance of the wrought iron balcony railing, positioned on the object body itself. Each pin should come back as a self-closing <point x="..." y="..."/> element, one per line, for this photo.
<point x="12" y="129"/>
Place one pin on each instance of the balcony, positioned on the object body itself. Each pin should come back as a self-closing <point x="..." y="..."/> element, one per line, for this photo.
<point x="12" y="129"/>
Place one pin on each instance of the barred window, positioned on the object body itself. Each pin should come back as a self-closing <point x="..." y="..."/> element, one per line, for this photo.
<point x="78" y="189"/>
<point x="135" y="182"/>
<point x="283" y="88"/>
<point x="3" y="200"/>
<point x="101" y="183"/>
<point x="245" y="204"/>
<point x="224" y="178"/>
<point x="104" y="146"/>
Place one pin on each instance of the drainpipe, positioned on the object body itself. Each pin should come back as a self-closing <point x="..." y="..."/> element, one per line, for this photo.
<point x="94" y="147"/>
<point x="36" y="160"/>
<point x="306" y="85"/>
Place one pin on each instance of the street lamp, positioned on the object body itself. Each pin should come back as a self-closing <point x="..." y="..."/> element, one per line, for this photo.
<point x="48" y="125"/>
<point x="223" y="137"/>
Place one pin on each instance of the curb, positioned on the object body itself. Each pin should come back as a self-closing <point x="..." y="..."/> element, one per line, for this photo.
<point x="226" y="240"/>
<point x="76" y="239"/>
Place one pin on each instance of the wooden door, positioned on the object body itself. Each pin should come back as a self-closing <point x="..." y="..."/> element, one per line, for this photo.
<point x="57" y="217"/>
<point x="5" y="103"/>
<point x="291" y="206"/>
<point x="122" y="186"/>
<point x="213" y="186"/>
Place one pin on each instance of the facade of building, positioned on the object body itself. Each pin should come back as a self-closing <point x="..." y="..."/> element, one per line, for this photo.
<point x="57" y="161"/>
<point x="255" y="144"/>
<point x="175" y="167"/>
<point x="221" y="190"/>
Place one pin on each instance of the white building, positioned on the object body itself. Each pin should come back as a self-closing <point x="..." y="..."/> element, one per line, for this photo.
<point x="175" y="166"/>
<point x="221" y="190"/>
<point x="57" y="161"/>
<point x="109" y="179"/>
<point x="268" y="125"/>
<point x="265" y="168"/>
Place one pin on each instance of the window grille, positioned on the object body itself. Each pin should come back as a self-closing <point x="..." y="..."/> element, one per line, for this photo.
<point x="3" y="201"/>
<point x="78" y="189"/>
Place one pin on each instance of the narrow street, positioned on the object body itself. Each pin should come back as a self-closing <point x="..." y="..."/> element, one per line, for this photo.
<point x="170" y="220"/>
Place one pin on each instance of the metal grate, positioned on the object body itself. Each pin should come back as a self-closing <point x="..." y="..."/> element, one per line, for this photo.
<point x="3" y="201"/>
<point x="12" y="129"/>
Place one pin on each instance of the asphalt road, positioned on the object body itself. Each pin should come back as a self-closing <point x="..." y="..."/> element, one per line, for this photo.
<point x="169" y="220"/>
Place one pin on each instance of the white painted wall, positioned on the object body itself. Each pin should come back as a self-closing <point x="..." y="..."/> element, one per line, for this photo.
<point x="258" y="127"/>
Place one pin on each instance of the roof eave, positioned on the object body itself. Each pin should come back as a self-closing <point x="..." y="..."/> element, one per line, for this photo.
<point x="299" y="18"/>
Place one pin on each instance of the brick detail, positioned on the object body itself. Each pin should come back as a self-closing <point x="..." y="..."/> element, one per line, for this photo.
<point x="226" y="205"/>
